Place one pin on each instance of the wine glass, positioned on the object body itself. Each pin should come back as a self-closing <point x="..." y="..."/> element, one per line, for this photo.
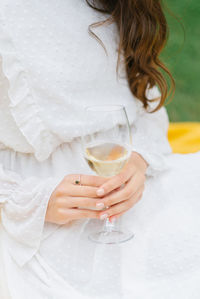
<point x="106" y="144"/>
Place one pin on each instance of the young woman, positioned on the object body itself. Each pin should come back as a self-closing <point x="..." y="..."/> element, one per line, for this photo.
<point x="52" y="67"/>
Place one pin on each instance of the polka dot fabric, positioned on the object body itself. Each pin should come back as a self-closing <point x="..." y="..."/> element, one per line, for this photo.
<point x="50" y="69"/>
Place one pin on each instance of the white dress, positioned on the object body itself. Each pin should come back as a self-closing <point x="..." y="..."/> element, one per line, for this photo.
<point x="51" y="68"/>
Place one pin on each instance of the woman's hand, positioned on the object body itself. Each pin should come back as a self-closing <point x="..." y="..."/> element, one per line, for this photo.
<point x="68" y="198"/>
<point x="121" y="198"/>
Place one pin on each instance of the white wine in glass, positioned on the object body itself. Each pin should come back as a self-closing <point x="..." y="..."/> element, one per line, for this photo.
<point x="106" y="152"/>
<point x="106" y="159"/>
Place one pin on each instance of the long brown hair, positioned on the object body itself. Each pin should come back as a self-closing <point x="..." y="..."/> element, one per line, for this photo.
<point x="143" y="32"/>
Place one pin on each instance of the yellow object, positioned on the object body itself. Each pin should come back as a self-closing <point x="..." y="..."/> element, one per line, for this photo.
<point x="184" y="137"/>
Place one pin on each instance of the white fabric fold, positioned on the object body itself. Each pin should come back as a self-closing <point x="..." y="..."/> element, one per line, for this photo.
<point x="149" y="134"/>
<point x="24" y="204"/>
<point x="23" y="106"/>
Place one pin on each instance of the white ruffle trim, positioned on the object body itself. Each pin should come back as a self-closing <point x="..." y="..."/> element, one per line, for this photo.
<point x="23" y="107"/>
<point x="156" y="162"/>
<point x="23" y="217"/>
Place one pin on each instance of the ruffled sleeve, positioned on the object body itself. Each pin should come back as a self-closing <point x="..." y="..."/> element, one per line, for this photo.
<point x="23" y="106"/>
<point x="149" y="134"/>
<point x="24" y="204"/>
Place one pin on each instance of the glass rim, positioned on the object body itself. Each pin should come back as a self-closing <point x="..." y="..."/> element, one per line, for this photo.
<point x="104" y="108"/>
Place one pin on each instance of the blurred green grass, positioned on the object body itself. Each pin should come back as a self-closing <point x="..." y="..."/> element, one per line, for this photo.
<point x="183" y="59"/>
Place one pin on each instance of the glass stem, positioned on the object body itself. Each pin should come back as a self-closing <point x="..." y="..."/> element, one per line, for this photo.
<point x="109" y="226"/>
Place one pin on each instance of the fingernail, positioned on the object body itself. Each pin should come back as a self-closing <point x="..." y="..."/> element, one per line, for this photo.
<point x="100" y="192"/>
<point x="100" y="205"/>
<point x="103" y="216"/>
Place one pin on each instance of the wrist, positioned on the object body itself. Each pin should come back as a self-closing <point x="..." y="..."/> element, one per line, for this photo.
<point x="139" y="161"/>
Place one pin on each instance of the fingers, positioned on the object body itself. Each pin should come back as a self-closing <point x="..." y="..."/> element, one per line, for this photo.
<point x="88" y="187"/>
<point x="86" y="180"/>
<point x="121" y="207"/>
<point x="82" y="191"/>
<point x="113" y="217"/>
<point x="124" y="193"/>
<point x="116" y="181"/>
<point x="76" y="202"/>
<point x="65" y="214"/>
<point x="74" y="214"/>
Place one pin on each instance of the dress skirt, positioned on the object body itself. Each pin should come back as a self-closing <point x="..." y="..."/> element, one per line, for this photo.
<point x="161" y="261"/>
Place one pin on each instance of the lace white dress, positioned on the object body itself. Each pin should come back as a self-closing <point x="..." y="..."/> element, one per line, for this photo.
<point x="51" y="68"/>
